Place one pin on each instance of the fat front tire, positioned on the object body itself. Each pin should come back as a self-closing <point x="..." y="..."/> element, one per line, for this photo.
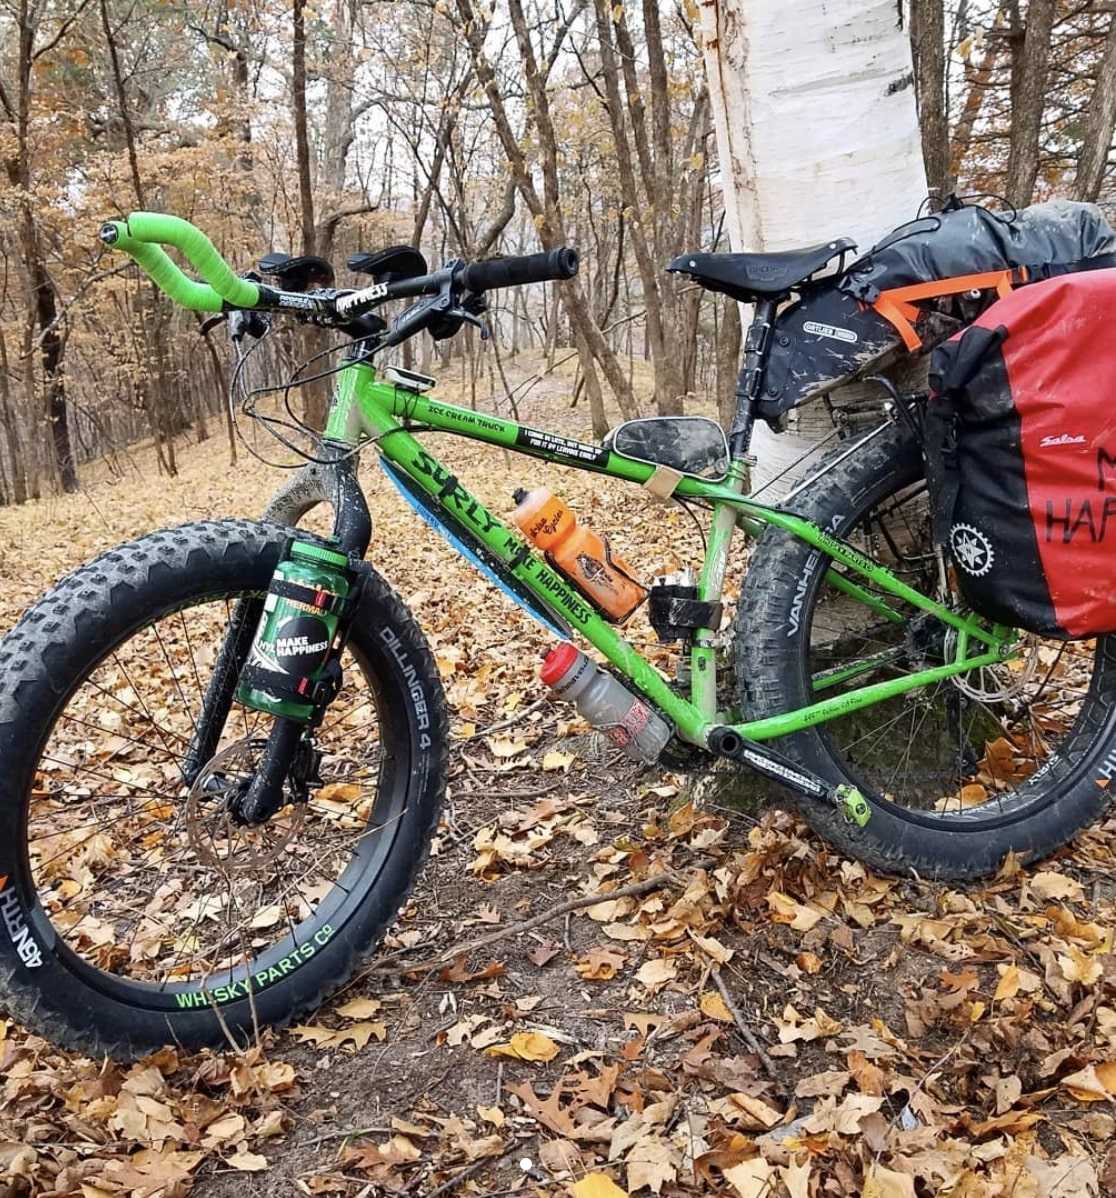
<point x="780" y="637"/>
<point x="89" y="977"/>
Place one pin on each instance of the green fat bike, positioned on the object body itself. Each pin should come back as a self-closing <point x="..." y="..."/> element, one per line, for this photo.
<point x="183" y="860"/>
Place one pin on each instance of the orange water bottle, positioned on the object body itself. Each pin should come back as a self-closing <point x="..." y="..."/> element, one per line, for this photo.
<point x="580" y="554"/>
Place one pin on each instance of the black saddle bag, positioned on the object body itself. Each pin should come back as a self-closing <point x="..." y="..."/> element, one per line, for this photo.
<point x="919" y="285"/>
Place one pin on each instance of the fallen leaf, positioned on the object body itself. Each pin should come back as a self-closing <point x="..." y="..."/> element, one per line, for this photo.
<point x="459" y="972"/>
<point x="525" y="1046"/>
<point x="1008" y="986"/>
<point x="360" y="1008"/>
<point x="1008" y="1091"/>
<point x="651" y="1164"/>
<point x="809" y="963"/>
<point x="655" y="974"/>
<point x="338" y="792"/>
<point x="597" y="1185"/>
<point x="505" y="746"/>
<point x="887" y="1183"/>
<point x="1077" y="966"/>
<point x="327" y="1037"/>
<point x="627" y="931"/>
<point x="752" y="1179"/>
<point x="755" y="1114"/>
<point x="713" y="1007"/>
<point x="247" y="1162"/>
<point x="1050" y="885"/>
<point x="829" y="1083"/>
<point x="560" y="1156"/>
<point x="360" y="1034"/>
<point x="599" y="964"/>
<point x="548" y="1111"/>
<point x="713" y="948"/>
<point x="1094" y="1083"/>
<point x="786" y="910"/>
<point x="797" y="1179"/>
<point x="544" y="952"/>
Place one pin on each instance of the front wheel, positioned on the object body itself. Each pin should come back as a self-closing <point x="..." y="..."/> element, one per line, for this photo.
<point x="1014" y="759"/>
<point x="134" y="911"/>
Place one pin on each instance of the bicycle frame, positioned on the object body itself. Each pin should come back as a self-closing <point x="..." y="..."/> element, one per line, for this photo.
<point x="367" y="410"/>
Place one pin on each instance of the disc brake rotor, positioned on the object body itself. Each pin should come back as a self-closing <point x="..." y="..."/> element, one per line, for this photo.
<point x="215" y="835"/>
<point x="1000" y="682"/>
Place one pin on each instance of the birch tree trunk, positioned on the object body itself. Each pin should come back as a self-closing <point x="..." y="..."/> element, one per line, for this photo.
<point x="817" y="137"/>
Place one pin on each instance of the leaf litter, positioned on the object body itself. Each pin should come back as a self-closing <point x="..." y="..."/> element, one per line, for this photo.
<point x="926" y="1040"/>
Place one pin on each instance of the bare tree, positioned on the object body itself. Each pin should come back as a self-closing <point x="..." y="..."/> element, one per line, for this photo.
<point x="929" y="55"/>
<point x="1030" y="58"/>
<point x="31" y="21"/>
<point x="545" y="209"/>
<point x="1099" y="123"/>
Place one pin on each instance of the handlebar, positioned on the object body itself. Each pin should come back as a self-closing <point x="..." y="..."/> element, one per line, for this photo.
<point x="141" y="236"/>
<point x="143" y="233"/>
<point x="516" y="271"/>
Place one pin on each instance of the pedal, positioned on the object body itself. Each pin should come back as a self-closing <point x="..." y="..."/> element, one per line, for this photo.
<point x="726" y="742"/>
<point x="852" y="804"/>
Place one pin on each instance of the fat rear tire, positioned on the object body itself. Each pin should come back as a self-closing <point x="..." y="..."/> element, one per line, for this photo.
<point x="772" y="634"/>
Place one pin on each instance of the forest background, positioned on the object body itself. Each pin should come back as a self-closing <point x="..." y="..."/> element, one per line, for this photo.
<point x="954" y="1041"/>
<point x="464" y="130"/>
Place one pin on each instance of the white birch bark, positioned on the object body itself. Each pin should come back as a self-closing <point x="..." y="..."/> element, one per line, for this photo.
<point x="817" y="137"/>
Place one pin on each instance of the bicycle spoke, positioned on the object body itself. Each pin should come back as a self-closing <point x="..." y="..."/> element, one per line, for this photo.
<point x="934" y="749"/>
<point x="149" y="906"/>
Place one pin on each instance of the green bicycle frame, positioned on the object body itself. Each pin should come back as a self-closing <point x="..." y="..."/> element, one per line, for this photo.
<point x="367" y="410"/>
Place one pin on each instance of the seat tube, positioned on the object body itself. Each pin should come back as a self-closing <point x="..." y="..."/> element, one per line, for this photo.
<point x="757" y="346"/>
<point x="703" y="655"/>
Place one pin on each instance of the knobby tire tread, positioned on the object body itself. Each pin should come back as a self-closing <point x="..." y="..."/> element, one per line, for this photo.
<point x="33" y="656"/>
<point x="768" y="672"/>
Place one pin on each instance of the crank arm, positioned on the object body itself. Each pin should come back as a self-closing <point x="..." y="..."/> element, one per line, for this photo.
<point x="767" y="762"/>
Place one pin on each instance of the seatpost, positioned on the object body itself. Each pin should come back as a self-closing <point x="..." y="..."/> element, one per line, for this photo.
<point x="757" y="345"/>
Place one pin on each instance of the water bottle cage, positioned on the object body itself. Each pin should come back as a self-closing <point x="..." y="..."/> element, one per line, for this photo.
<point x="318" y="692"/>
<point x="323" y="601"/>
<point x="676" y="613"/>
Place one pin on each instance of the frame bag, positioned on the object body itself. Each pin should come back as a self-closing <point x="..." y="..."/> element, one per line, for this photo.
<point x="1021" y="457"/>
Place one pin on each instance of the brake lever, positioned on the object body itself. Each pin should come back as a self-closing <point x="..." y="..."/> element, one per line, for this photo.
<point x="467" y="317"/>
<point x="247" y="323"/>
<point x="207" y="326"/>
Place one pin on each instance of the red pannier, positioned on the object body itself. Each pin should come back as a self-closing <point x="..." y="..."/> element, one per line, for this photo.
<point x="1021" y="456"/>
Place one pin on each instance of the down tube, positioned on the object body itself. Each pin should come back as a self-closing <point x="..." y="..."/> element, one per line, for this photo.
<point x="404" y="451"/>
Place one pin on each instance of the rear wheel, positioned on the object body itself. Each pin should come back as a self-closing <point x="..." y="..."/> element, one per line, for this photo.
<point x="1011" y="759"/>
<point x="134" y="910"/>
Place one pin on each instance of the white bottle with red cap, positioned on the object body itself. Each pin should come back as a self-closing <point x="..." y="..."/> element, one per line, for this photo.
<point x="605" y="703"/>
